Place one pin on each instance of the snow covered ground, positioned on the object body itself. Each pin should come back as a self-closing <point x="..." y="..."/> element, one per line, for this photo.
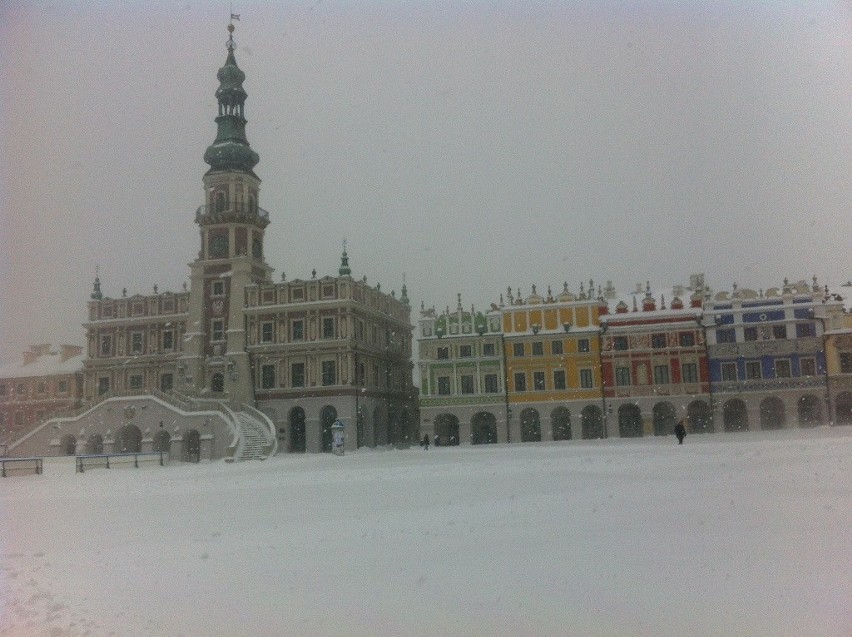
<point x="744" y="534"/>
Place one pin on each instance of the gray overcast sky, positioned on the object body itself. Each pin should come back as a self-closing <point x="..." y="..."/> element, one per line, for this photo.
<point x="470" y="145"/>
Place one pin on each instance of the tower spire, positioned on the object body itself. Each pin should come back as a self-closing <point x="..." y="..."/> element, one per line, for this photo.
<point x="231" y="150"/>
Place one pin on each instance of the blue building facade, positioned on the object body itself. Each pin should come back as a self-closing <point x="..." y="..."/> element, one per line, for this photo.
<point x="766" y="356"/>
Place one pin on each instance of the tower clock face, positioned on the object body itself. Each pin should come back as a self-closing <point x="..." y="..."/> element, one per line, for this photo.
<point x="256" y="249"/>
<point x="219" y="246"/>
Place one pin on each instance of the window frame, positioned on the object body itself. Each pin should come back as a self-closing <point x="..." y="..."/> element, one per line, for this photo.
<point x="267" y="376"/>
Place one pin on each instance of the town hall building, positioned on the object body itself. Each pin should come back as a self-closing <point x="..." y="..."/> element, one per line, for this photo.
<point x="237" y="365"/>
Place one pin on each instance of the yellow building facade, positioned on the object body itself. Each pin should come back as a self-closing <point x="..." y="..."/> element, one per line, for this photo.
<point x="552" y="348"/>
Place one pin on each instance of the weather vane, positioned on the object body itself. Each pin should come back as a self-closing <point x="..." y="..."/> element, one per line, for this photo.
<point x="234" y="16"/>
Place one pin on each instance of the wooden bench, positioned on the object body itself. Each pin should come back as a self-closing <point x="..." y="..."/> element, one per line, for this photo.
<point x="20" y="466"/>
<point x="109" y="460"/>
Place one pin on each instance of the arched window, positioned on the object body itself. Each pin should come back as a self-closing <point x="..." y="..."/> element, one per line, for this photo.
<point x="560" y="423"/>
<point x="592" y="422"/>
<point x="483" y="429"/>
<point x="629" y="421"/>
<point x="772" y="414"/>
<point x="221" y="201"/>
<point x="735" y="415"/>
<point x="664" y="419"/>
<point x="530" y="425"/>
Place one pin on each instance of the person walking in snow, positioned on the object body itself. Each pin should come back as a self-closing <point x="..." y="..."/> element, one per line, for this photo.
<point x="425" y="443"/>
<point x="680" y="432"/>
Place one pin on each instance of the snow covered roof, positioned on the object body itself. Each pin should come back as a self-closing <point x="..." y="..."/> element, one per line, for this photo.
<point x="45" y="363"/>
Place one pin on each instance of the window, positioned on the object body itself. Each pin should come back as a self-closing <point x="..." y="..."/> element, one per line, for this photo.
<point x="728" y="335"/>
<point x="661" y="374"/>
<point x="467" y="384"/>
<point x="803" y="330"/>
<point x="443" y="353"/>
<point x="559" y="379"/>
<point x="61" y="387"/>
<point x="136" y="381"/>
<point x="267" y="376"/>
<point x="167" y="381"/>
<point x="488" y="349"/>
<point x="779" y="332"/>
<point x="217" y="330"/>
<point x="136" y="342"/>
<point x="359" y="330"/>
<point x="586" y="379"/>
<point x="750" y="333"/>
<point x="619" y="343"/>
<point x="807" y="367"/>
<point x="328" y="327"/>
<point x="168" y="340"/>
<point x="583" y="344"/>
<point x="538" y="381"/>
<point x="729" y="371"/>
<point x="266" y="331"/>
<point x="465" y="351"/>
<point x="686" y="339"/>
<point x="622" y="376"/>
<point x="537" y="348"/>
<point x="555" y="347"/>
<point x="103" y="385"/>
<point x="19" y="419"/>
<point x="298" y="330"/>
<point x="753" y="370"/>
<point x="658" y="341"/>
<point x="138" y="309"/>
<point x="845" y="363"/>
<point x="39" y="416"/>
<point x="491" y="383"/>
<point x="21" y="388"/>
<point x="782" y="368"/>
<point x="41" y="387"/>
<point x="689" y="372"/>
<point x="106" y="345"/>
<point x="297" y="375"/>
<point x="217" y="288"/>
<point x="518" y="349"/>
<point x="329" y="373"/>
<point x="520" y="381"/>
<point x="2" y="390"/>
<point x="444" y="385"/>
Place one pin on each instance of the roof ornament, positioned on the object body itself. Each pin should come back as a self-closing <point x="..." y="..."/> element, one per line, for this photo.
<point x="344" y="270"/>
<point x="96" y="292"/>
<point x="234" y="16"/>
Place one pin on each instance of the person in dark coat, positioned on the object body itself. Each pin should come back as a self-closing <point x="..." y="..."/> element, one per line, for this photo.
<point x="680" y="432"/>
<point x="425" y="443"/>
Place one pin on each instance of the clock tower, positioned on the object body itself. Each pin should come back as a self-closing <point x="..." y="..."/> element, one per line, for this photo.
<point x="232" y="225"/>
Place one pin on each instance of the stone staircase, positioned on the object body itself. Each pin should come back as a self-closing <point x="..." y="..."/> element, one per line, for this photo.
<point x="254" y="437"/>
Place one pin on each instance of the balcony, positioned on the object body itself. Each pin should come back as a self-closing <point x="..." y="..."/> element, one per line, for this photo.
<point x="211" y="214"/>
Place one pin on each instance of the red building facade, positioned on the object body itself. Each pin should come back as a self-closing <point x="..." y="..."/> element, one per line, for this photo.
<point x="654" y="368"/>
